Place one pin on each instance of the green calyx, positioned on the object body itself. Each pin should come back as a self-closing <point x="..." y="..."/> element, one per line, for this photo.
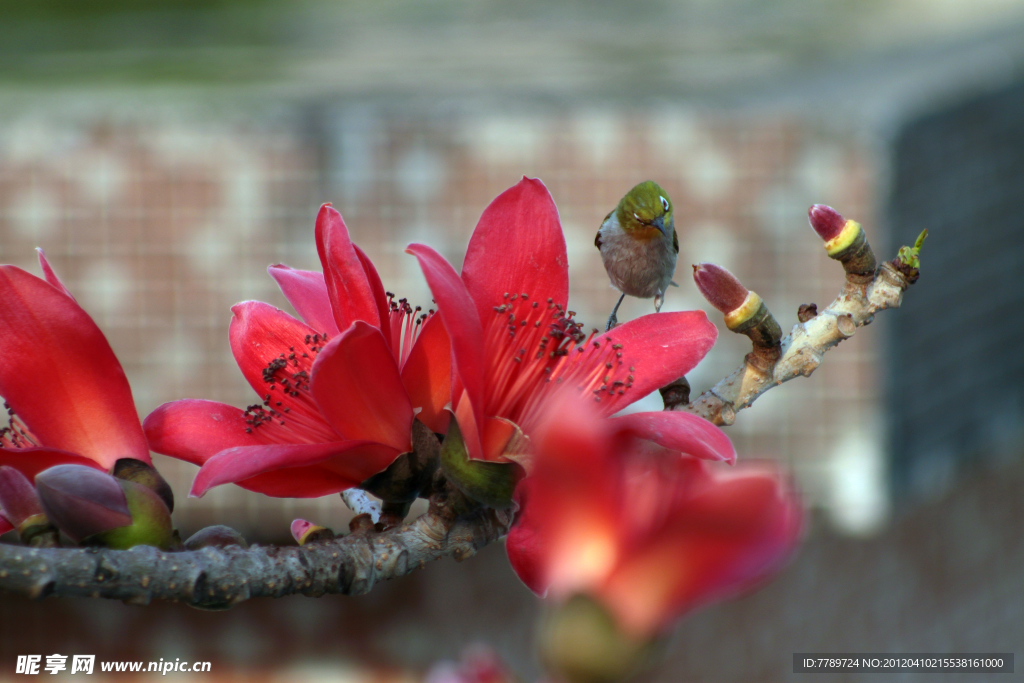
<point x="488" y="483"/>
<point x="151" y="522"/>
<point x="580" y="642"/>
<point x="139" y="472"/>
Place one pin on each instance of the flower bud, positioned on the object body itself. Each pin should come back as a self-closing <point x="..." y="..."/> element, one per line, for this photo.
<point x="845" y="240"/>
<point x="82" y="501"/>
<point x="720" y="287"/>
<point x="489" y="483"/>
<point x="217" y="536"/>
<point x="94" y="508"/>
<point x="745" y="312"/>
<point x="151" y="522"/>
<point x="306" y="532"/>
<point x="131" y="469"/>
<point x="826" y="221"/>
<point x="21" y="506"/>
<point x="580" y="642"/>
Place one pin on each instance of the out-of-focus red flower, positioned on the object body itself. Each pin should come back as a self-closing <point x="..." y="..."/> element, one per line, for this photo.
<point x="338" y="393"/>
<point x="514" y="342"/>
<point x="65" y="392"/>
<point x="478" y="664"/>
<point x="650" y="535"/>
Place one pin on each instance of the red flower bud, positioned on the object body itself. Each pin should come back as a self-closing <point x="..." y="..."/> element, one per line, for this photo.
<point x="82" y="501"/>
<point x="719" y="287"/>
<point x="18" y="498"/>
<point x="826" y="221"/>
<point x="305" y="532"/>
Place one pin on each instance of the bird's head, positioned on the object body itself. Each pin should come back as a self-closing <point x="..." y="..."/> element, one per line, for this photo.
<point x="646" y="211"/>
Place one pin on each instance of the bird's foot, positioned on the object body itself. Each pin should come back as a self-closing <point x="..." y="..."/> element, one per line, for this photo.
<point x="612" y="322"/>
<point x="659" y="301"/>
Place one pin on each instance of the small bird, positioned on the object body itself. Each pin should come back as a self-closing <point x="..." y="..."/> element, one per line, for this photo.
<point x="639" y="245"/>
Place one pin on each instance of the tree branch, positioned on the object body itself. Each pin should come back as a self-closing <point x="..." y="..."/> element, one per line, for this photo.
<point x="804" y="349"/>
<point x="218" y="578"/>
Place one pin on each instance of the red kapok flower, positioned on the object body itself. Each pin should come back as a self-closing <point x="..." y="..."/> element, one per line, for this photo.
<point x="514" y="341"/>
<point x="649" y="537"/>
<point x="339" y="392"/>
<point x="67" y="397"/>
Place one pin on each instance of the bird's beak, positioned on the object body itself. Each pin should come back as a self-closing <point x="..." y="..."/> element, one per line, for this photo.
<point x="659" y="223"/>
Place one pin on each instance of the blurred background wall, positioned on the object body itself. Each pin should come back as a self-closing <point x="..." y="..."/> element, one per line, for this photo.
<point x="163" y="155"/>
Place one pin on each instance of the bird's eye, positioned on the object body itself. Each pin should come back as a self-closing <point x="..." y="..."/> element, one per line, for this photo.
<point x="664" y="203"/>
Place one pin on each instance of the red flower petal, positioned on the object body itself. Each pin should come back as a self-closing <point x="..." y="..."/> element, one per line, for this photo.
<point x="517" y="246"/>
<point x="660" y="348"/>
<point x="679" y="431"/>
<point x="459" y="314"/>
<point x="194" y="430"/>
<point x="295" y="470"/>
<point x="723" y="534"/>
<point x="5" y="526"/>
<point x="306" y="291"/>
<point x="351" y="293"/>
<point x="427" y="375"/>
<point x="524" y="546"/>
<point x="572" y="499"/>
<point x="379" y="295"/>
<point x="48" y="273"/>
<point x="60" y="374"/>
<point x="32" y="461"/>
<point x="356" y="383"/>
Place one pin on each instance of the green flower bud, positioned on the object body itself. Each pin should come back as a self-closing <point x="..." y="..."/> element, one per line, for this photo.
<point x="580" y="642"/>
<point x="150" y="521"/>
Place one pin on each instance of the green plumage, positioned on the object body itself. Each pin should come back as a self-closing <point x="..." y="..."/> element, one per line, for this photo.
<point x="639" y="244"/>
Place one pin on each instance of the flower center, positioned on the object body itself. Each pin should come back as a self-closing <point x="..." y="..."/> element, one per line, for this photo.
<point x="406" y="325"/>
<point x="288" y="402"/>
<point x="16" y="434"/>
<point x="530" y="344"/>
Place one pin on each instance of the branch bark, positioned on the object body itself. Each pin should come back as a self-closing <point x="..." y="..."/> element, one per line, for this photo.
<point x="218" y="578"/>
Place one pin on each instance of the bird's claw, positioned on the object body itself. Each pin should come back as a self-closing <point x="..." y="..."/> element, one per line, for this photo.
<point x="612" y="322"/>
